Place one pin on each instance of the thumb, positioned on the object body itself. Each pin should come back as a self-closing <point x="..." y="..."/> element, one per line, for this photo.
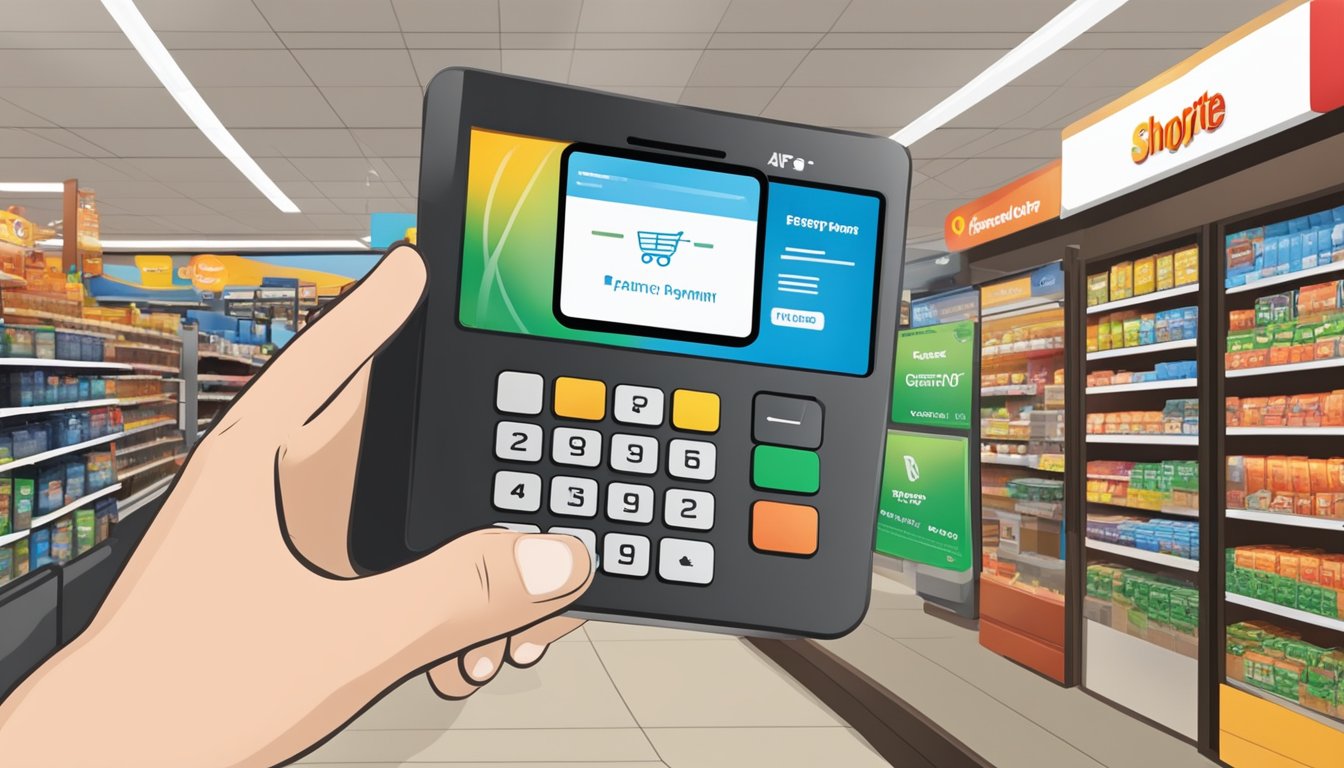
<point x="484" y="585"/>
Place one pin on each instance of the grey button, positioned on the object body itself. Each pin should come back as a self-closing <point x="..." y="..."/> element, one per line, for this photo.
<point x="689" y="562"/>
<point x="792" y="421"/>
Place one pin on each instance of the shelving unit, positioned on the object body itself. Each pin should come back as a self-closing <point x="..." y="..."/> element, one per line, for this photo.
<point x="1133" y="553"/>
<point x="1143" y="349"/>
<point x="1144" y="439"/>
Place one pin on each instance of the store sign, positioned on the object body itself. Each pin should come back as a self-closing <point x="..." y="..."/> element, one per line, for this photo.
<point x="1277" y="71"/>
<point x="1028" y="201"/>
<point x="924" y="514"/>
<point x="932" y="385"/>
<point x="1048" y="282"/>
<point x="1005" y="292"/>
<point x="945" y="308"/>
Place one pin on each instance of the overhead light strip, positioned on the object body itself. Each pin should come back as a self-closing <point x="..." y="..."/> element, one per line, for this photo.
<point x="1063" y="29"/>
<point x="217" y="246"/>
<point x="32" y="187"/>
<point x="151" y="49"/>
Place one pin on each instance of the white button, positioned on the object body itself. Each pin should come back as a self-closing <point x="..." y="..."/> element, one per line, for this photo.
<point x="588" y="538"/>
<point x="798" y="318"/>
<point x="634" y="453"/>
<point x="576" y="447"/>
<point x="625" y="555"/>
<point x="516" y="441"/>
<point x="630" y="503"/>
<point x="517" y="491"/>
<point x="638" y="405"/>
<point x="691" y="459"/>
<point x="689" y="562"/>
<point x="574" y="496"/>
<point x="517" y="392"/>
<point x="688" y="509"/>
<point x="519" y="527"/>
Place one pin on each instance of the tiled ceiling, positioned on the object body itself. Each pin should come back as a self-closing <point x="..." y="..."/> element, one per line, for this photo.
<point x="326" y="93"/>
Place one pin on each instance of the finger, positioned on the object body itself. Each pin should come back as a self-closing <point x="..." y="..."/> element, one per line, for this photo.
<point x="480" y="664"/>
<point x="484" y="585"/>
<point x="316" y="469"/>
<point x="448" y="681"/>
<point x="528" y="646"/>
<point x="301" y="379"/>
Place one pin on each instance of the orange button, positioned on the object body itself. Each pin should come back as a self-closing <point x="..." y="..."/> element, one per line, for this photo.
<point x="580" y="398"/>
<point x="787" y="528"/>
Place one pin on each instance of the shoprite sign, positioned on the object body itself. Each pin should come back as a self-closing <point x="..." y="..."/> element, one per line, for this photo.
<point x="1030" y="200"/>
<point x="1281" y="69"/>
<point x="925" y="513"/>
<point x="932" y="384"/>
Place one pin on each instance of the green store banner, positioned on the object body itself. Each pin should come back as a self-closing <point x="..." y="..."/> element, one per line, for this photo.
<point x="924" y="514"/>
<point x="932" y="383"/>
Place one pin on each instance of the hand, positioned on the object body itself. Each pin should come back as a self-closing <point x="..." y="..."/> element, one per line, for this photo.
<point x="239" y="632"/>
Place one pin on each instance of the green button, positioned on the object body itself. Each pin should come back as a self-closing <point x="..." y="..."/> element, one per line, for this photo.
<point x="785" y="469"/>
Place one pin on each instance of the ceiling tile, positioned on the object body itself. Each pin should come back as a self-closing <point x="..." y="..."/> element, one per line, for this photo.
<point x="854" y="106"/>
<point x="365" y="206"/>
<point x="746" y="101"/>
<point x="268" y="68"/>
<point x="892" y="68"/>
<point x="1126" y="68"/>
<point x="271" y="107"/>
<point x="429" y="63"/>
<point x="99" y="107"/>
<point x="16" y="117"/>
<point x="240" y="188"/>
<point x="453" y="40"/>
<point x="1188" y="16"/>
<point x="772" y="16"/>
<point x="933" y="189"/>
<point x="643" y="41"/>
<point x="67" y="139"/>
<point x="1001" y="41"/>
<point x="986" y="144"/>
<point x="537" y="40"/>
<point x="281" y="170"/>
<point x="56" y="169"/>
<point x="16" y="142"/>
<point x="49" y="40"/>
<point x="130" y="190"/>
<point x="377" y="107"/>
<point x="931" y="168"/>
<point x="151" y="142"/>
<point x="344" y="41"/>
<point x="351" y="189"/>
<point x="357" y="67"/>
<point x="948" y="16"/>
<point x="1038" y="144"/>
<point x="239" y="41"/>
<point x="342" y="222"/>
<point x="981" y="173"/>
<point x="176" y="169"/>
<point x="745" y="68"/>
<point x="245" y="208"/>
<point x="765" y="40"/>
<point x="334" y="169"/>
<point x="1002" y="106"/>
<point x="1059" y="68"/>
<point x="638" y="68"/>
<point x="651" y="15"/>
<point x="297" y="142"/>
<point x="539" y="15"/>
<point x="76" y="68"/>
<point x="1191" y="41"/>
<point x="389" y="142"/>
<point x="942" y="141"/>
<point x="406" y="169"/>
<point x="159" y="206"/>
<point x="544" y="65"/>
<point x="126" y="225"/>
<point x="328" y="15"/>
<point x="210" y="224"/>
<point x="1064" y="105"/>
<point x="202" y="15"/>
<point x="68" y="15"/>
<point x="457" y="16"/>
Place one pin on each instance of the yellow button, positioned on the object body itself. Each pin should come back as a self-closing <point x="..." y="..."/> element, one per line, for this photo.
<point x="695" y="411"/>
<point x="580" y="398"/>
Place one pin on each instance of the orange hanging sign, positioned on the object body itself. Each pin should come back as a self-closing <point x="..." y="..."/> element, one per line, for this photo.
<point x="1023" y="203"/>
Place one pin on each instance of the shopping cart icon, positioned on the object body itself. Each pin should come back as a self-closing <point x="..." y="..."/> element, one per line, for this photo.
<point x="659" y="245"/>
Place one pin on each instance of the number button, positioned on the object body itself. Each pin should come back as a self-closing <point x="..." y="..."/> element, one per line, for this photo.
<point x="519" y="527"/>
<point x="574" y="496"/>
<point x="625" y="555"/>
<point x="688" y="562"/>
<point x="638" y="405"/>
<point x="693" y="510"/>
<point x="588" y="538"/>
<point x="517" y="491"/>
<point x="518" y="392"/>
<point x="637" y="454"/>
<point x="691" y="459"/>
<point x="629" y="503"/>
<point x="516" y="441"/>
<point x="576" y="447"/>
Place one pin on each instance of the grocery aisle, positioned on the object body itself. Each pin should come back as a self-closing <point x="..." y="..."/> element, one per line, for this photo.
<point x="611" y="695"/>
<point x="1010" y="716"/>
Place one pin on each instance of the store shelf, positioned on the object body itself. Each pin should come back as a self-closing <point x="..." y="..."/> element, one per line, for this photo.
<point x="1017" y="308"/>
<point x="151" y="444"/>
<point x="11" y="281"/>
<point x="211" y="355"/>
<point x="1301" y="274"/>
<point x="1146" y="298"/>
<point x="32" y="409"/>
<point x="1145" y="439"/>
<point x="1024" y="354"/>
<point x="41" y="362"/>
<point x="146" y="427"/>
<point x="219" y="378"/>
<point x="79" y="322"/>
<point x="216" y="397"/>
<point x="146" y="399"/>
<point x="1011" y="390"/>
<point x="1288" y="704"/>
<point x="1013" y="461"/>
<point x="140" y="499"/>
<point x="1298" y="431"/>
<point x="1133" y="553"/>
<point x="38" y="458"/>
<point x="38" y="522"/>
<point x="141" y="345"/>
<point x="1269" y="370"/>
<point x="10" y="538"/>
<point x="155" y="368"/>
<point x="1170" y="511"/>
<point x="1264" y="606"/>
<point x="1282" y="518"/>
<point x="1146" y="349"/>
<point x="1144" y="386"/>
<point x="139" y="468"/>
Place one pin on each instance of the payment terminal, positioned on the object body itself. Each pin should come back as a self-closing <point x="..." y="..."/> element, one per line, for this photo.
<point x="666" y="331"/>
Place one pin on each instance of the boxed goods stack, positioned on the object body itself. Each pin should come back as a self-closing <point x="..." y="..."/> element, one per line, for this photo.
<point x="1177" y="417"/>
<point x="1306" y="242"/>
<point x="1162" y="611"/>
<point x="1294" y="485"/>
<point x="1298" y="326"/>
<point x="1307" y="580"/>
<point x="1279" y="662"/>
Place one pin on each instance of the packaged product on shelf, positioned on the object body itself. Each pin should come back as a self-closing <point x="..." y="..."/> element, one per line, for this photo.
<point x="1164" y="270"/>
<point x="39" y="548"/>
<point x="86" y="530"/>
<point x="1098" y="289"/>
<point x="50" y="489"/>
<point x="1122" y="280"/>
<point x="1186" y="266"/>
<point x="105" y="513"/>
<point x="1145" y="276"/>
<point x="24" y="501"/>
<point x="62" y="540"/>
<point x="6" y="564"/>
<point x="6" y="505"/>
<point x="74" y="481"/>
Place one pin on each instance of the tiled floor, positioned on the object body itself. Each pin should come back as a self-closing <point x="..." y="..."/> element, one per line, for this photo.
<point x="1012" y="717"/>
<point x="611" y="695"/>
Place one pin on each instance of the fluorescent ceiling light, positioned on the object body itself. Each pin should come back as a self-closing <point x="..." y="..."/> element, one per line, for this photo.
<point x="21" y="187"/>
<point x="161" y="62"/>
<point x="221" y="246"/>
<point x="1071" y="22"/>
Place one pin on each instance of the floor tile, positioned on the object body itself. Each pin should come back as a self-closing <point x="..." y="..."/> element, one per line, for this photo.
<point x="421" y="764"/>
<point x="567" y="689"/>
<point x="583" y="745"/>
<point x="775" y="747"/>
<point x="903" y="623"/>
<point x="690" y="684"/>
<point x="606" y="631"/>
